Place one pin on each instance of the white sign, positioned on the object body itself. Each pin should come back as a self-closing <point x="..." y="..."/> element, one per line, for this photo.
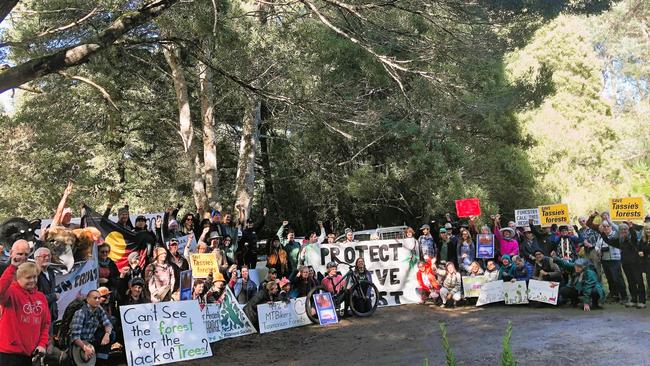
<point x="392" y="263"/>
<point x="543" y="291"/>
<point x="523" y="217"/>
<point x="226" y="320"/>
<point x="490" y="292"/>
<point x="164" y="332"/>
<point x="472" y="286"/>
<point x="281" y="315"/>
<point x="515" y="293"/>
<point x="76" y="283"/>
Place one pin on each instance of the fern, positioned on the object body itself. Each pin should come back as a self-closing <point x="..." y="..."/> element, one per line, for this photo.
<point x="507" y="358"/>
<point x="450" y="358"/>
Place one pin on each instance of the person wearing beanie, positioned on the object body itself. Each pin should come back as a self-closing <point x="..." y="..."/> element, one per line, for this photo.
<point x="136" y="293"/>
<point x="566" y="244"/>
<point x="127" y="273"/>
<point x="122" y="216"/>
<point x="507" y="270"/>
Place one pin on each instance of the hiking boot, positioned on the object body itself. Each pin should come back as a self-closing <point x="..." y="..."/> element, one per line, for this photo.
<point x="630" y="304"/>
<point x="444" y="306"/>
<point x="640" y="305"/>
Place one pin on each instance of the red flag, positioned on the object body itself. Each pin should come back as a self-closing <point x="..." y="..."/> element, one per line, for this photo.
<point x="468" y="207"/>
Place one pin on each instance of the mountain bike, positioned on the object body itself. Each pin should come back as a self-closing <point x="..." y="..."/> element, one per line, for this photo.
<point x="361" y="296"/>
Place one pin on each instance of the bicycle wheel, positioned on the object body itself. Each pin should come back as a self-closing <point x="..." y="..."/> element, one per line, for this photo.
<point x="310" y="307"/>
<point x="364" y="298"/>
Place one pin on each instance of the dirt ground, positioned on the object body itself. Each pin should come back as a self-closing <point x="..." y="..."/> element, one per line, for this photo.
<point x="405" y="335"/>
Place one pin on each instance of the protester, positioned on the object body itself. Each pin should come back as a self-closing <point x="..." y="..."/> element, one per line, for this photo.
<point x="631" y="258"/>
<point x="160" y="276"/>
<point x="290" y="245"/>
<point x="590" y="239"/>
<point x="108" y="272"/>
<point x="123" y="219"/>
<point x="566" y="243"/>
<point x="311" y="242"/>
<point x="466" y="250"/>
<point x="249" y="236"/>
<point x="285" y="289"/>
<point x="644" y="245"/>
<point x="427" y="244"/>
<point x="216" y="284"/>
<point x="507" y="270"/>
<point x="349" y="237"/>
<point x="23" y="330"/>
<point x="135" y="293"/>
<point x="278" y="259"/>
<point x="198" y="291"/>
<point x="529" y="245"/>
<point x="545" y="269"/>
<point x="450" y="291"/>
<point x="268" y="293"/>
<point x="429" y="288"/>
<point x="242" y="286"/>
<point x="19" y="249"/>
<point x="302" y="281"/>
<point x="523" y="270"/>
<point x="611" y="262"/>
<point x="47" y="280"/>
<point x="333" y="282"/>
<point x="360" y="270"/>
<point x="271" y="276"/>
<point x="583" y="285"/>
<point x="475" y="270"/>
<point x="505" y="238"/>
<point x="230" y="230"/>
<point x="85" y="331"/>
<point x="446" y="247"/>
<point x="492" y="271"/>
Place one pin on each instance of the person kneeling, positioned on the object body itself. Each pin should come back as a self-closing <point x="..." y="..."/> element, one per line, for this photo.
<point x="583" y="285"/>
<point x="429" y="287"/>
<point x="91" y="330"/>
<point x="451" y="286"/>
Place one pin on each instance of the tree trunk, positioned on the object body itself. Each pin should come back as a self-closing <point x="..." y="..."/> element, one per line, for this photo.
<point x="245" y="182"/>
<point x="185" y="128"/>
<point x="209" y="137"/>
<point x="265" y="152"/>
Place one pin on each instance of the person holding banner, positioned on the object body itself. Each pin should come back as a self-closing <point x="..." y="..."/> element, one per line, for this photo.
<point x="25" y="321"/>
<point x="631" y="255"/>
<point x="583" y="285"/>
<point x="545" y="269"/>
<point x="266" y="294"/>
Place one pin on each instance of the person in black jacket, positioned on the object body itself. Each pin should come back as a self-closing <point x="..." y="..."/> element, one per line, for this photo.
<point x="302" y="281"/>
<point x="248" y="241"/>
<point x="447" y="247"/>
<point x="108" y="272"/>
<point x="528" y="245"/>
<point x="631" y="258"/>
<point x="46" y="282"/>
<point x="268" y="293"/>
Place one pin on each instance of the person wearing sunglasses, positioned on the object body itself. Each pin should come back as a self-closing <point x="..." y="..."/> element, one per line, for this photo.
<point x="108" y="272"/>
<point x="85" y="330"/>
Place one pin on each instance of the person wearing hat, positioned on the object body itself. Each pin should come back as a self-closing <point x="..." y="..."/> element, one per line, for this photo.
<point x="447" y="247"/>
<point x="427" y="245"/>
<point x="135" y="294"/>
<point x="131" y="270"/>
<point x="333" y="282"/>
<point x="285" y="287"/>
<point x="349" y="237"/>
<point x="566" y="244"/>
<point x="505" y="241"/>
<point x="88" y="340"/>
<point x="583" y="285"/>
<point x="529" y="245"/>
<point x="545" y="269"/>
<point x="217" y="288"/>
<point x="140" y="223"/>
<point x="271" y="276"/>
<point x="177" y="261"/>
<point x="161" y="277"/>
<point x="507" y="270"/>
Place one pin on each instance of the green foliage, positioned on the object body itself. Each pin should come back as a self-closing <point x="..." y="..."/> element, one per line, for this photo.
<point x="507" y="358"/>
<point x="450" y="358"/>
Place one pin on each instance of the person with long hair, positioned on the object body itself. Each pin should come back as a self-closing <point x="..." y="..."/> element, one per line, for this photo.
<point x="466" y="250"/>
<point x="360" y="270"/>
<point x="278" y="259"/>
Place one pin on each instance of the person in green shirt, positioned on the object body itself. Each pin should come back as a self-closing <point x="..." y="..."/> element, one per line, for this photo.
<point x="583" y="285"/>
<point x="290" y="245"/>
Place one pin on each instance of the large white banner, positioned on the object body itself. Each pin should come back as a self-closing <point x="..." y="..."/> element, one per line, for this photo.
<point x="165" y="332"/>
<point x="543" y="291"/>
<point x="282" y="315"/>
<point x="226" y="320"/>
<point x="151" y="220"/>
<point x="76" y="283"/>
<point x="393" y="264"/>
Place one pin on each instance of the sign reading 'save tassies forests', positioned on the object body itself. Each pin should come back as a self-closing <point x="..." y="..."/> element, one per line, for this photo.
<point x="624" y="209"/>
<point x="557" y="214"/>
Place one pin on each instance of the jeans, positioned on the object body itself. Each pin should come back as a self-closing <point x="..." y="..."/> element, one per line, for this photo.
<point x="614" y="276"/>
<point x="12" y="359"/>
<point x="426" y="293"/>
<point x="444" y="292"/>
<point x="634" y="275"/>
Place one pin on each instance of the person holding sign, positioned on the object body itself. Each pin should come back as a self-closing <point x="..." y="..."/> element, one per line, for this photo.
<point x="545" y="269"/>
<point x="505" y="238"/>
<point x="583" y="285"/>
<point x="631" y="254"/>
<point x="25" y="320"/>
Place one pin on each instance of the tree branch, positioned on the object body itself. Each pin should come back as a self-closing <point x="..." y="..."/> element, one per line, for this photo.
<point x="5" y="8"/>
<point x="84" y="80"/>
<point x="68" y="26"/>
<point x="79" y="54"/>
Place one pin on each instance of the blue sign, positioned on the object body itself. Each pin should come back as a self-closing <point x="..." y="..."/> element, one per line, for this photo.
<point x="325" y="308"/>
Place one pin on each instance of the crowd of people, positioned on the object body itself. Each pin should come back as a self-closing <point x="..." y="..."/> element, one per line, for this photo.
<point x="574" y="256"/>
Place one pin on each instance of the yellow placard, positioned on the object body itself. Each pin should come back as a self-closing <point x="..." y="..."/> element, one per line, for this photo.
<point x="554" y="214"/>
<point x="624" y="209"/>
<point x="203" y="264"/>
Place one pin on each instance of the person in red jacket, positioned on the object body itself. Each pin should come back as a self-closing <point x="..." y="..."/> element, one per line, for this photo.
<point x="25" y="316"/>
<point x="429" y="286"/>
